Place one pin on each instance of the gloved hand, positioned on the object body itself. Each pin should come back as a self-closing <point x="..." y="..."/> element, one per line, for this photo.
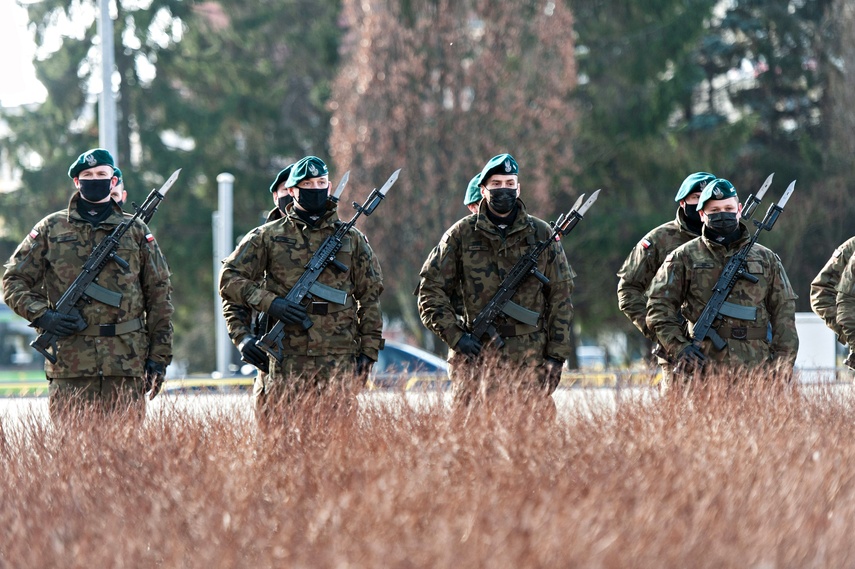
<point x="154" y="377"/>
<point x="252" y="354"/>
<point x="363" y="365"/>
<point x="59" y="324"/>
<point x="552" y="373"/>
<point x="288" y="312"/>
<point x="468" y="345"/>
<point x="691" y="357"/>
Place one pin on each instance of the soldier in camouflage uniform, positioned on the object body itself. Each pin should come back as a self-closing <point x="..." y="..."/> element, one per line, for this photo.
<point x="336" y="353"/>
<point x="242" y="321"/>
<point x="641" y="265"/>
<point x="823" y="289"/>
<point x="845" y="307"/>
<point x="474" y="256"/>
<point x="473" y="195"/>
<point x="683" y="285"/>
<point x="107" y="357"/>
<point x="118" y="192"/>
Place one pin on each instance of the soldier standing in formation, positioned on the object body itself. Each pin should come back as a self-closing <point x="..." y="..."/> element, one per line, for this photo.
<point x="107" y="357"/>
<point x="118" y="192"/>
<point x="824" y="288"/>
<point x="337" y="352"/>
<point x="641" y="265"/>
<point x="473" y="257"/>
<point x="845" y="304"/>
<point x="684" y="282"/>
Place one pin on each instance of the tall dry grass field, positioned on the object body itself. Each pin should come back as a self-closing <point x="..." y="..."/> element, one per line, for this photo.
<point x="747" y="476"/>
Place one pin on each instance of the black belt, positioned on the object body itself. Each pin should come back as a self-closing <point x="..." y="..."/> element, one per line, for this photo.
<point x="113" y="329"/>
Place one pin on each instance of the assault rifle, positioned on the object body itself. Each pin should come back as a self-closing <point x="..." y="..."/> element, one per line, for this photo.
<point x="84" y="288"/>
<point x="308" y="286"/>
<point x="483" y="327"/>
<point x="735" y="269"/>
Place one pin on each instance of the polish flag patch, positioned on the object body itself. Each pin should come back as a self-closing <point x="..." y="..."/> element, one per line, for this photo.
<point x="34" y="234"/>
<point x="149" y="237"/>
<point x="645" y="243"/>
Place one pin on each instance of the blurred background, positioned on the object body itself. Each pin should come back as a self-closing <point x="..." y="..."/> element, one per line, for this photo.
<point x="629" y="97"/>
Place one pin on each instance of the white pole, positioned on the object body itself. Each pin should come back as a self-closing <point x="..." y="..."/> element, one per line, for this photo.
<point x="223" y="245"/>
<point x="107" y="108"/>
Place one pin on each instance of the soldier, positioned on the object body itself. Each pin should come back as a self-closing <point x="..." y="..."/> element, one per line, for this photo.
<point x="241" y="320"/>
<point x="824" y="291"/>
<point x="641" y="265"/>
<point x="107" y="357"/>
<point x="118" y="192"/>
<point x="473" y="195"/>
<point x="473" y="257"/>
<point x="683" y="285"/>
<point x="336" y="353"/>
<point x="845" y="306"/>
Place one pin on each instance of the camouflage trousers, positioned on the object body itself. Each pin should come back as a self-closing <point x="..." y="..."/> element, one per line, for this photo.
<point x="109" y="396"/>
<point x="474" y="383"/>
<point x="305" y="384"/>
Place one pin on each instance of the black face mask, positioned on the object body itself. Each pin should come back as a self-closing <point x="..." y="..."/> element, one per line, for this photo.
<point x="692" y="213"/>
<point x="723" y="222"/>
<point x="95" y="190"/>
<point x="502" y="200"/>
<point x="283" y="201"/>
<point x="313" y="201"/>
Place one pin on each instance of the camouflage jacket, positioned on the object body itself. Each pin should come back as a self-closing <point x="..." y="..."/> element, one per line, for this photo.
<point x="474" y="258"/>
<point x="271" y="258"/>
<point x="641" y="265"/>
<point x="49" y="259"/>
<point x="239" y="318"/>
<point x="823" y="289"/>
<point x="846" y="303"/>
<point x="684" y="284"/>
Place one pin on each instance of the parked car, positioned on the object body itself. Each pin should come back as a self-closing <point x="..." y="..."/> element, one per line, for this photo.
<point x="402" y="366"/>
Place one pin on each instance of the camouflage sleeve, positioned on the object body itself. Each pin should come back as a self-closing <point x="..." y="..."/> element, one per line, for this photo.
<point x="242" y="272"/>
<point x="157" y="294"/>
<point x="666" y="295"/>
<point x="23" y="281"/>
<point x="846" y="303"/>
<point x="781" y="303"/>
<point x="636" y="274"/>
<point x="439" y="280"/>
<point x="367" y="287"/>
<point x="560" y="304"/>
<point x="238" y="321"/>
<point x="823" y="292"/>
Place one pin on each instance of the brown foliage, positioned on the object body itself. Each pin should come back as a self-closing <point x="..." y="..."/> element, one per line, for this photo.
<point x="753" y="474"/>
<point x="438" y="88"/>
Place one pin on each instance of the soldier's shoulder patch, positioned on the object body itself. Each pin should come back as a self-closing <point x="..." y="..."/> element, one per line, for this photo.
<point x="33" y="233"/>
<point x="645" y="243"/>
<point x="149" y="237"/>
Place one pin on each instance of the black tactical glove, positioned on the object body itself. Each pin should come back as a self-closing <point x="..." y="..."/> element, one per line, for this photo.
<point x="288" y="312"/>
<point x="468" y="345"/>
<point x="691" y="357"/>
<point x="363" y="365"/>
<point x="59" y="324"/>
<point x="252" y="354"/>
<point x="552" y="373"/>
<point x="154" y="377"/>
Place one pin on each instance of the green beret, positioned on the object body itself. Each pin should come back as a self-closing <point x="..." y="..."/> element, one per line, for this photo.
<point x="308" y="167"/>
<point x="501" y="164"/>
<point x="118" y="174"/>
<point x="90" y="159"/>
<point x="693" y="183"/>
<point x="281" y="177"/>
<point x="473" y="191"/>
<point x="718" y="189"/>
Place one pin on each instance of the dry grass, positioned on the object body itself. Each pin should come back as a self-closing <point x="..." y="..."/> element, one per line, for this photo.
<point x="751" y="476"/>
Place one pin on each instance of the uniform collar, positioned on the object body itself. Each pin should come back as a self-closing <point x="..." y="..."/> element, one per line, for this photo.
<point x="327" y="220"/>
<point x="115" y="218"/>
<point x="683" y="222"/>
<point x="483" y="223"/>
